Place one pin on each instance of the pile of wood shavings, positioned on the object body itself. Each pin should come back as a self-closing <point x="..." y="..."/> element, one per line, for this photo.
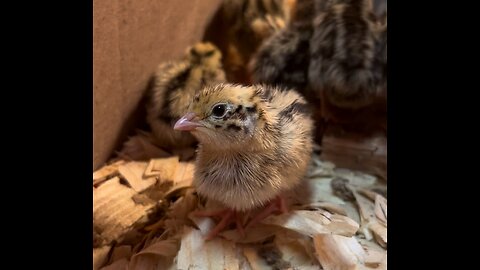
<point x="142" y="221"/>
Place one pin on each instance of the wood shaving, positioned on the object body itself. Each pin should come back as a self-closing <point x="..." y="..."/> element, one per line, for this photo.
<point x="141" y="147"/>
<point x="314" y="222"/>
<point x="114" y="211"/>
<point x="106" y="173"/>
<point x="335" y="252"/>
<point x="100" y="256"/>
<point x="146" y="208"/>
<point x="163" y="167"/>
<point x="133" y="173"/>
<point x="196" y="253"/>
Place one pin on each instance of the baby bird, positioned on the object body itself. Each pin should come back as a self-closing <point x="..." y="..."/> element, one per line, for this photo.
<point x="255" y="144"/>
<point x="344" y="70"/>
<point x="175" y="84"/>
<point x="283" y="59"/>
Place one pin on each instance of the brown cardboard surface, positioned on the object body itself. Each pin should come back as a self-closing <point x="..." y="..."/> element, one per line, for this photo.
<point x="130" y="39"/>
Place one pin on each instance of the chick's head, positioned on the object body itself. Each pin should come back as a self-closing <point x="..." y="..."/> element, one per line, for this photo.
<point x="224" y="116"/>
<point x="205" y="54"/>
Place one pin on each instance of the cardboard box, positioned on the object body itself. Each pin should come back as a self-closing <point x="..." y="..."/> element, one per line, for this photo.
<point x="130" y="39"/>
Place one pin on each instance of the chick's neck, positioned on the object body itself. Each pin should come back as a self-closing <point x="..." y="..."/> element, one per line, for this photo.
<point x="259" y="142"/>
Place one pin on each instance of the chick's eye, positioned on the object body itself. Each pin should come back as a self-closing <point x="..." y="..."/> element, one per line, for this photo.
<point x="219" y="110"/>
<point x="210" y="53"/>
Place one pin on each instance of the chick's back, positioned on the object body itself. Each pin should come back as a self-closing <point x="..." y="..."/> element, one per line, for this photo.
<point x="293" y="147"/>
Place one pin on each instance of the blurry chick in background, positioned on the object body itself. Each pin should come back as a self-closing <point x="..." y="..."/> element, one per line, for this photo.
<point x="334" y="53"/>
<point x="249" y="23"/>
<point x="255" y="144"/>
<point x="283" y="59"/>
<point x="348" y="64"/>
<point x="175" y="84"/>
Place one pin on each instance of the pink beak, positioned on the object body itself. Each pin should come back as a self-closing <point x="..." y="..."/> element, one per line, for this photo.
<point x="186" y="124"/>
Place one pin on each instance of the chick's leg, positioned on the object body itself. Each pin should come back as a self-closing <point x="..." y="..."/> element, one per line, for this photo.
<point x="282" y="204"/>
<point x="239" y="224"/>
<point x="227" y="217"/>
<point x="278" y="205"/>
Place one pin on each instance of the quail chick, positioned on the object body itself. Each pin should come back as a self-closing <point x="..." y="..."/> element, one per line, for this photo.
<point x="344" y="71"/>
<point x="283" y="59"/>
<point x="254" y="144"/>
<point x="175" y="84"/>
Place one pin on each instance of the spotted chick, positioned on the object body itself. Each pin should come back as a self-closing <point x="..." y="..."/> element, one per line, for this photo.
<point x="175" y="84"/>
<point x="255" y="144"/>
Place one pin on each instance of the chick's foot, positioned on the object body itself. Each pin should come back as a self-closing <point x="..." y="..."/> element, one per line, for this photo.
<point x="278" y="206"/>
<point x="227" y="217"/>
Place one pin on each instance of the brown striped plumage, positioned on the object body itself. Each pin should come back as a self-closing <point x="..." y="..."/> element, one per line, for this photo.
<point x="256" y="148"/>
<point x="283" y="59"/>
<point x="249" y="23"/>
<point x="256" y="19"/>
<point x="345" y="70"/>
<point x="174" y="87"/>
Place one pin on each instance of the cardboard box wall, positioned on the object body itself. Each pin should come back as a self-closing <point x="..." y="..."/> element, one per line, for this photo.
<point x="130" y="39"/>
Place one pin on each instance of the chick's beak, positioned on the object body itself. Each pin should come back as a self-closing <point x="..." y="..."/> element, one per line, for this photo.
<point x="187" y="123"/>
